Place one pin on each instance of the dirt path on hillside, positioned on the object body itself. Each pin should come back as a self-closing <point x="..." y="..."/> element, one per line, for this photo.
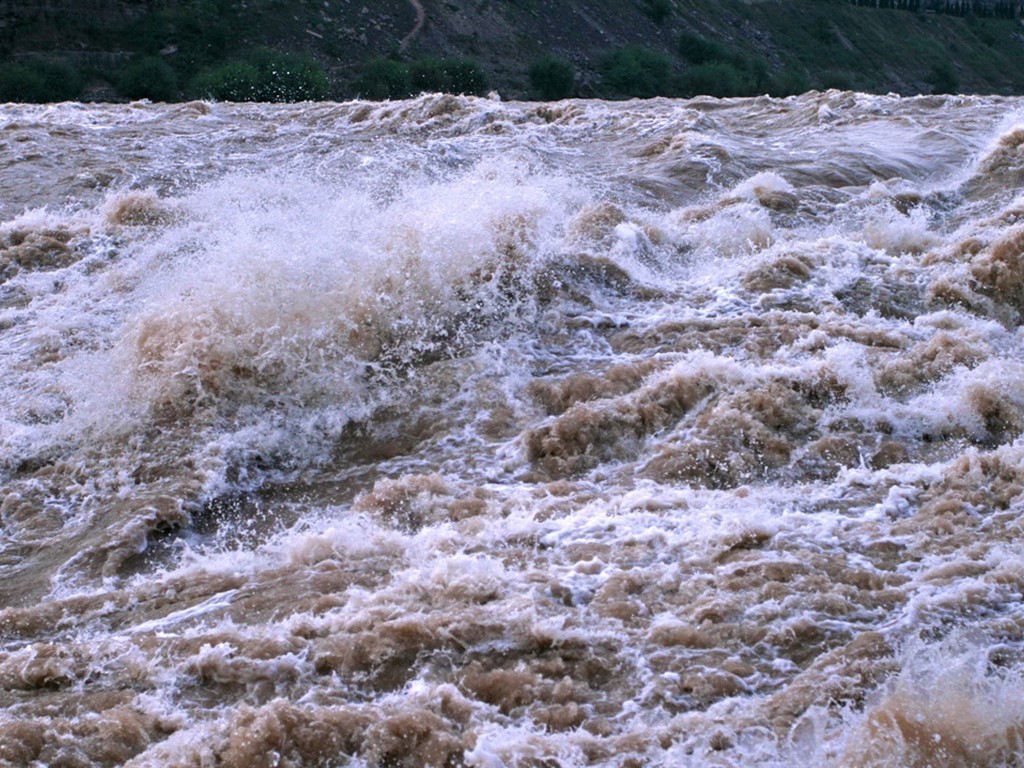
<point x="421" y="17"/>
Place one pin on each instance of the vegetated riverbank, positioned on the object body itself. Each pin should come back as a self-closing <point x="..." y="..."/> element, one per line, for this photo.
<point x="286" y="50"/>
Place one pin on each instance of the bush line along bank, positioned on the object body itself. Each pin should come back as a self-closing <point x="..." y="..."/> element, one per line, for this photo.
<point x="174" y="50"/>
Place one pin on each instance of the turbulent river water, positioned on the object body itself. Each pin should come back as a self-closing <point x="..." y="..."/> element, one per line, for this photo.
<point x="455" y="432"/>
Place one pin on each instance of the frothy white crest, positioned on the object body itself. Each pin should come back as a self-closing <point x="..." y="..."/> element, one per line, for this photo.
<point x="947" y="706"/>
<point x="466" y="577"/>
<point x="32" y="218"/>
<point x="498" y="746"/>
<point x="985" y="403"/>
<point x="318" y="273"/>
<point x="897" y="233"/>
<point x="760" y="185"/>
<point x="351" y="538"/>
<point x="737" y="230"/>
<point x="265" y="295"/>
<point x="982" y="327"/>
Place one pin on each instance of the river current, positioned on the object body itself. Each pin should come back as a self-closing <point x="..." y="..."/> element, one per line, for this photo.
<point x="457" y="432"/>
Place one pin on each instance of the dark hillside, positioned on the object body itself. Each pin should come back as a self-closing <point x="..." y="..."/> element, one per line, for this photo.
<point x="290" y="49"/>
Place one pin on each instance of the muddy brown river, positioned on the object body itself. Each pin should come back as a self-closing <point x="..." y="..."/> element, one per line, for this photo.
<point x="456" y="432"/>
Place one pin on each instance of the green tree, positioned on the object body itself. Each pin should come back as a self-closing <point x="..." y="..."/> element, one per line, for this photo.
<point x="721" y="70"/>
<point x="838" y="79"/>
<point x="265" y="76"/>
<point x="236" y="81"/>
<point x="19" y="83"/>
<point x="464" y="76"/>
<point x="658" y="10"/>
<point x="789" y="83"/>
<point x="715" y="79"/>
<point x="428" y="76"/>
<point x="447" y="76"/>
<point x="39" y="81"/>
<point x="388" y="79"/>
<point x="290" y="76"/>
<point x="148" y="78"/>
<point x="943" y="78"/>
<point x="699" y="50"/>
<point x="552" y="78"/>
<point x="384" y="79"/>
<point x="636" y="71"/>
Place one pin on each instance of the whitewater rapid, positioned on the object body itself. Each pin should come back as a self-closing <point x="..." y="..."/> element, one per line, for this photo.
<point x="453" y="431"/>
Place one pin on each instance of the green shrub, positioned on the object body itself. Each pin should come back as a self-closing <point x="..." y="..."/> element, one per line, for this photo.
<point x="714" y="79"/>
<point x="387" y="79"/>
<point x="790" y="83"/>
<point x="148" y="78"/>
<point x="289" y="77"/>
<point x="265" y="76"/>
<point x="698" y="50"/>
<point x="636" y="71"/>
<point x="823" y="31"/>
<point x="658" y="10"/>
<point x="738" y="73"/>
<point x="384" y="79"/>
<point x="552" y="78"/>
<point x="39" y="81"/>
<point x="841" y="81"/>
<point x="237" y="81"/>
<point x="61" y="80"/>
<point x="428" y="76"/>
<point x="943" y="78"/>
<point x="201" y="38"/>
<point x="447" y="76"/>
<point x="755" y="77"/>
<point x="464" y="76"/>
<point x="20" y="84"/>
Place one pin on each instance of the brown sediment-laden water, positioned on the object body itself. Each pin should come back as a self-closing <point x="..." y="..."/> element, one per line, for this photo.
<point x="454" y="432"/>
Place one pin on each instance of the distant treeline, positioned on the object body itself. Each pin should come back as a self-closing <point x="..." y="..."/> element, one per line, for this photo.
<point x="1002" y="9"/>
<point x="712" y="67"/>
<point x="189" y="49"/>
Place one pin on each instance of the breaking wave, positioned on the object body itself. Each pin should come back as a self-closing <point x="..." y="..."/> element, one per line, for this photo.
<point x="459" y="432"/>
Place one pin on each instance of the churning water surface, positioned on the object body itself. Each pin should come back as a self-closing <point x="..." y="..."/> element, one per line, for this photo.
<point x="459" y="432"/>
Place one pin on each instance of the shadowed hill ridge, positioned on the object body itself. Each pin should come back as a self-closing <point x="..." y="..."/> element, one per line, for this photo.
<point x="178" y="49"/>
